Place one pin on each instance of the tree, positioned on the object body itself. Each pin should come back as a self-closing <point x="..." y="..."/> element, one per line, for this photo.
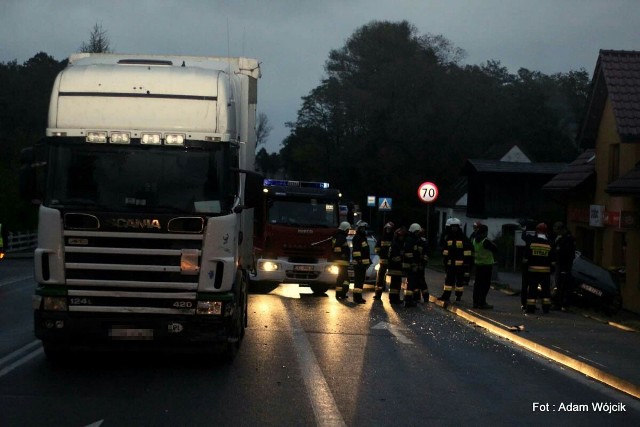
<point x="98" y="41"/>
<point x="263" y="129"/>
<point x="396" y="108"/>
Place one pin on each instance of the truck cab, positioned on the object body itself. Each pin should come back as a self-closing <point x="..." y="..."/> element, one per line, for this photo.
<point x="297" y="220"/>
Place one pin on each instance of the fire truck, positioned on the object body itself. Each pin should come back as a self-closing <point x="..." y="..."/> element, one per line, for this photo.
<point x="295" y="225"/>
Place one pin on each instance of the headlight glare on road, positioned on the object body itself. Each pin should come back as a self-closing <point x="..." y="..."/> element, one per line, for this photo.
<point x="209" y="307"/>
<point x="55" y="303"/>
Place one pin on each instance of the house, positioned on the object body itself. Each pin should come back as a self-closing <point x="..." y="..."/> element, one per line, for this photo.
<point x="603" y="203"/>
<point x="502" y="192"/>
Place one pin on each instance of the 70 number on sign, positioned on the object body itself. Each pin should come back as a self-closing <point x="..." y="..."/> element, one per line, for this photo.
<point x="428" y="192"/>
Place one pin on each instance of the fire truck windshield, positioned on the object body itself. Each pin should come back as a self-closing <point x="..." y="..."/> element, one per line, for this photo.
<point x="303" y="212"/>
<point x="134" y="178"/>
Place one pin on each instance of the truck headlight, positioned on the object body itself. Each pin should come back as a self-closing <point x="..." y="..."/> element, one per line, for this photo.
<point x="209" y="307"/>
<point x="55" y="303"/>
<point x="120" y="138"/>
<point x="268" y="266"/>
<point x="174" y="139"/>
<point x="332" y="269"/>
<point x="97" y="137"/>
<point x="150" y="138"/>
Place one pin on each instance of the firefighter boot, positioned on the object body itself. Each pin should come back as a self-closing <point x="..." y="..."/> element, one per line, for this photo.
<point x="446" y="295"/>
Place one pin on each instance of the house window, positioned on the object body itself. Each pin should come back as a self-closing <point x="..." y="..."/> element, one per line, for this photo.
<point x="614" y="161"/>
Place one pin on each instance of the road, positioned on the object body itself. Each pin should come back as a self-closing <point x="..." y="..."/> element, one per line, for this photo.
<point x="305" y="360"/>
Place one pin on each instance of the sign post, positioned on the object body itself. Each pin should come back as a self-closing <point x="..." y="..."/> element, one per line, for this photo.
<point x="384" y="206"/>
<point x="428" y="193"/>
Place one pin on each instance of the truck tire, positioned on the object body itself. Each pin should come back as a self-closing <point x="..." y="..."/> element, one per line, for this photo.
<point x="239" y="322"/>
<point x="54" y="352"/>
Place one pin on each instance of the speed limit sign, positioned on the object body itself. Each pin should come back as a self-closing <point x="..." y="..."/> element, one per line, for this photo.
<point x="428" y="192"/>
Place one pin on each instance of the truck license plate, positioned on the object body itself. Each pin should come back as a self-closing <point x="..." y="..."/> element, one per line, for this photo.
<point x="134" y="334"/>
<point x="303" y="268"/>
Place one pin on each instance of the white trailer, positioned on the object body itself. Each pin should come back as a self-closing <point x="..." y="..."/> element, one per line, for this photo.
<point x="146" y="185"/>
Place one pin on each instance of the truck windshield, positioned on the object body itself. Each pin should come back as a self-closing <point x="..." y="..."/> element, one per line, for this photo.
<point x="132" y="178"/>
<point x="303" y="212"/>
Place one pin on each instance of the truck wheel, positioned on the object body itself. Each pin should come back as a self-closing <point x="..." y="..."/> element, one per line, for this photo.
<point x="319" y="289"/>
<point x="236" y="333"/>
<point x="55" y="353"/>
<point x="235" y="338"/>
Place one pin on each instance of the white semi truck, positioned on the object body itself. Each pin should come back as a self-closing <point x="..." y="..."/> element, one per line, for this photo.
<point x="146" y="187"/>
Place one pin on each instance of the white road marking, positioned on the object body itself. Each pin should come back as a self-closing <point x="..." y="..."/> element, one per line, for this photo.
<point x="24" y="359"/>
<point x="15" y="280"/>
<point x="395" y="331"/>
<point x="324" y="406"/>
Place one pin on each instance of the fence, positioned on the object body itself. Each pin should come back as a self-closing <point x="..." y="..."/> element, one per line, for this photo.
<point x="21" y="241"/>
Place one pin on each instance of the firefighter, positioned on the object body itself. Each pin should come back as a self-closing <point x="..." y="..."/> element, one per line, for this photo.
<point x="423" y="260"/>
<point x="409" y="265"/>
<point x="414" y="265"/>
<point x="565" y="247"/>
<point x="395" y="265"/>
<point x="382" y="250"/>
<point x="361" y="259"/>
<point x="341" y="256"/>
<point x="457" y="256"/>
<point x="539" y="256"/>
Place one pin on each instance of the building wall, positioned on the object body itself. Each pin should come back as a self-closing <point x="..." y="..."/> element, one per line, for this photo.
<point x="615" y="246"/>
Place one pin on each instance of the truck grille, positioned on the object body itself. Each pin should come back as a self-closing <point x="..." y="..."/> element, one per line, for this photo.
<point x="132" y="260"/>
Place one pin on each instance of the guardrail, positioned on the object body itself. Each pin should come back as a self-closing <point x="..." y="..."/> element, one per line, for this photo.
<point x="21" y="241"/>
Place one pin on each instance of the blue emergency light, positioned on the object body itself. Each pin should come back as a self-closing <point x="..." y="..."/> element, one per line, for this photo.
<point x="301" y="184"/>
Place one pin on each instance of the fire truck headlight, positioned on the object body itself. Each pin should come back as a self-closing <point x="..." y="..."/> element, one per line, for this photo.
<point x="332" y="269"/>
<point x="268" y="266"/>
<point x="55" y="303"/>
<point x="209" y="307"/>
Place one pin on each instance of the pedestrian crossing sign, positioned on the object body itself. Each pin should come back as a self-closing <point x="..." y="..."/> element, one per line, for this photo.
<point x="384" y="203"/>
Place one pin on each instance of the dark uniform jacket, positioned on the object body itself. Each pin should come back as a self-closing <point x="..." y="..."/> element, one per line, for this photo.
<point x="539" y="255"/>
<point x="361" y="254"/>
<point x="565" y="248"/>
<point x="341" y="251"/>
<point x="382" y="247"/>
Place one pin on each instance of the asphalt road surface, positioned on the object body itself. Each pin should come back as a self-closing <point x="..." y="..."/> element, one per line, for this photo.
<point x="305" y="361"/>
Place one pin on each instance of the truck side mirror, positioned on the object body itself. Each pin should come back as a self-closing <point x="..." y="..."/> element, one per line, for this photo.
<point x="252" y="189"/>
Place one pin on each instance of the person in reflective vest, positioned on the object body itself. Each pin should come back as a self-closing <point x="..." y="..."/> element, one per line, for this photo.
<point x="361" y="260"/>
<point x="483" y="258"/>
<point x="341" y="256"/>
<point x="539" y="256"/>
<point x="382" y="250"/>
<point x="457" y="256"/>
<point x="395" y="270"/>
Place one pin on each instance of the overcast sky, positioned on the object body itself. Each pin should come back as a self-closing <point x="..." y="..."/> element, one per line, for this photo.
<point x="292" y="38"/>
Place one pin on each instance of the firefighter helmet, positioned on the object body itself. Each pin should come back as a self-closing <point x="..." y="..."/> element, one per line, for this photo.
<point x="453" y="221"/>
<point x="344" y="226"/>
<point x="361" y="224"/>
<point x="414" y="228"/>
<point x="541" y="228"/>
